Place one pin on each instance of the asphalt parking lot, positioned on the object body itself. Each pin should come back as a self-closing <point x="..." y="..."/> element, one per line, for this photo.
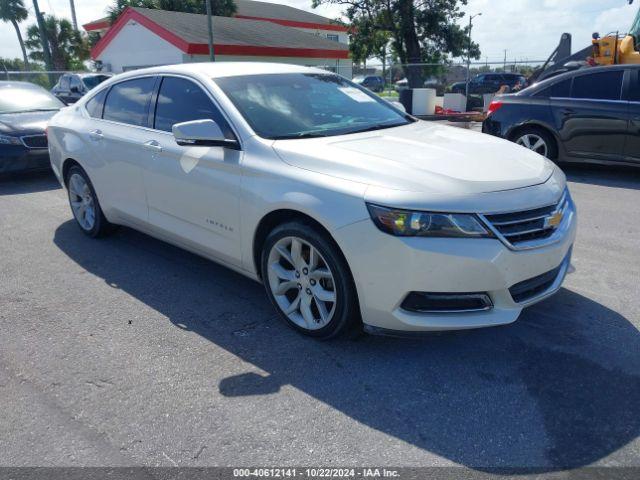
<point x="128" y="351"/>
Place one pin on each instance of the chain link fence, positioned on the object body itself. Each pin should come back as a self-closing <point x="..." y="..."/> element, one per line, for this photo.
<point x="45" y="79"/>
<point x="485" y="77"/>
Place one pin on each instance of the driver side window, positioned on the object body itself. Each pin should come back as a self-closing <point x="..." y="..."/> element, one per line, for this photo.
<point x="181" y="100"/>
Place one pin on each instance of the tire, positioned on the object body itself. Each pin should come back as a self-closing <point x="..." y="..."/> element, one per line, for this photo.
<point x="528" y="137"/>
<point x="288" y="281"/>
<point x="85" y="205"/>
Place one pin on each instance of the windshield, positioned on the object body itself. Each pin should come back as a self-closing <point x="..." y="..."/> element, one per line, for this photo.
<point x="299" y="105"/>
<point x="94" y="80"/>
<point x="16" y="99"/>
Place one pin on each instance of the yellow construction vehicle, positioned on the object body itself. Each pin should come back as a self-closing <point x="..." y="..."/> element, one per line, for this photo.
<point x="616" y="49"/>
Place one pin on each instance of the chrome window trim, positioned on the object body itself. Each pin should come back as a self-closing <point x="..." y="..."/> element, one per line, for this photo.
<point x="565" y="204"/>
<point x="593" y="100"/>
<point x="150" y="129"/>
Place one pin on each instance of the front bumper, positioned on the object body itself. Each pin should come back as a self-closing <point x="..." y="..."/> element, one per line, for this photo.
<point x="387" y="268"/>
<point x="19" y="159"/>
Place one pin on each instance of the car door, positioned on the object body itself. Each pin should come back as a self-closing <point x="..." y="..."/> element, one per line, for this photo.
<point x="592" y="122"/>
<point x="632" y="146"/>
<point x="119" y="140"/>
<point x="193" y="191"/>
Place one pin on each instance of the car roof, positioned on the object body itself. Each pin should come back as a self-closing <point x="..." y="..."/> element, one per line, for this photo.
<point x="225" y="69"/>
<point x="574" y="73"/>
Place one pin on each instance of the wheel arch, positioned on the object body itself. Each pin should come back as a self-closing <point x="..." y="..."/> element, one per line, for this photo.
<point x="516" y="130"/>
<point x="66" y="166"/>
<point x="278" y="217"/>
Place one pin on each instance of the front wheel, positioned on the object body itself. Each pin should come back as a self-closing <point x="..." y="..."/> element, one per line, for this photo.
<point x="308" y="281"/>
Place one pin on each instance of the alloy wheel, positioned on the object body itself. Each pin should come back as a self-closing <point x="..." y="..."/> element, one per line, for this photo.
<point x="302" y="283"/>
<point x="82" y="202"/>
<point x="535" y="143"/>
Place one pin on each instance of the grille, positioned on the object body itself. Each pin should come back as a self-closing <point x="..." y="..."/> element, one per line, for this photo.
<point x="523" y="291"/>
<point x="528" y="225"/>
<point x="35" y="141"/>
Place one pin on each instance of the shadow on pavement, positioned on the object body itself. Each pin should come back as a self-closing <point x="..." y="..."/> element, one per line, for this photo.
<point x="32" y="182"/>
<point x="558" y="389"/>
<point x="605" y="176"/>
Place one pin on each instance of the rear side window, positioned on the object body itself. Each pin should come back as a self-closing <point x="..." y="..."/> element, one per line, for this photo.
<point x="558" y="90"/>
<point x="128" y="101"/>
<point x="96" y="104"/>
<point x="64" y="82"/>
<point x="598" y="86"/>
<point x="181" y="100"/>
<point x="75" y="82"/>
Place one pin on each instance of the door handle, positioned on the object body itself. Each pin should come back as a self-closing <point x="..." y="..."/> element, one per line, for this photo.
<point x="153" y="146"/>
<point x="568" y="111"/>
<point x="96" y="135"/>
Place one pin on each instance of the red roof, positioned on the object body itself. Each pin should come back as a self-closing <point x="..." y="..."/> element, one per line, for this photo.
<point x="232" y="36"/>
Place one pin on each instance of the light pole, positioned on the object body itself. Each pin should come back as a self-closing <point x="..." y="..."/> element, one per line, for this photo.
<point x="212" y="55"/>
<point x="469" y="55"/>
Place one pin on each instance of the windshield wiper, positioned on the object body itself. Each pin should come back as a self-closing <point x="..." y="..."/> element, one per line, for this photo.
<point x="300" y="135"/>
<point x="379" y="126"/>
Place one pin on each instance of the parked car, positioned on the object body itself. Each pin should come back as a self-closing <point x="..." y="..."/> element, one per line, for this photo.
<point x="374" y="83"/>
<point x="588" y="115"/>
<point x="72" y="86"/>
<point x="430" y="82"/>
<point x="346" y="208"/>
<point x="490" y="83"/>
<point x="25" y="109"/>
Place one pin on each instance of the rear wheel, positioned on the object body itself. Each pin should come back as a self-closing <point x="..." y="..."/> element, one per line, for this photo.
<point x="84" y="204"/>
<point x="537" y="140"/>
<point x="308" y="281"/>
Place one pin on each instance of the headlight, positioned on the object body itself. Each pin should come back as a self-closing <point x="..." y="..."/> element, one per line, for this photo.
<point x="8" y="140"/>
<point x="406" y="223"/>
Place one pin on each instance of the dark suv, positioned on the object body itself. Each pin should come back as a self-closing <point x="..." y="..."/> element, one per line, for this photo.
<point x="72" y="86"/>
<point x="490" y="83"/>
<point x="589" y="115"/>
<point x="375" y="83"/>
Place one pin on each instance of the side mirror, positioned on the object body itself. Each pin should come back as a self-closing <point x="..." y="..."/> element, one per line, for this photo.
<point x="201" y="133"/>
<point x="75" y="89"/>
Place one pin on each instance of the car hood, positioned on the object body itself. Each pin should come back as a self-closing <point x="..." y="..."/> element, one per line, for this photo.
<point x="421" y="157"/>
<point x="24" y="123"/>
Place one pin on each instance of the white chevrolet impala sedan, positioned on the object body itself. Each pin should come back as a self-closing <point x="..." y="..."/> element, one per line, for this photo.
<point x="351" y="213"/>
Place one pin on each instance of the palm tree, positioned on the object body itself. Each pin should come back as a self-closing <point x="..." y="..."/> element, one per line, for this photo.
<point x="15" y="12"/>
<point x="67" y="46"/>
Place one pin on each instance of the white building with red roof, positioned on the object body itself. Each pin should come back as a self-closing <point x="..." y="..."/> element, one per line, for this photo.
<point x="259" y="31"/>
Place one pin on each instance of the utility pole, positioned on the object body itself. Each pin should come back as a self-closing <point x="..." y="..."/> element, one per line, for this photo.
<point x="44" y="40"/>
<point x="73" y="14"/>
<point x="469" y="55"/>
<point x="212" y="55"/>
<point x="504" y="68"/>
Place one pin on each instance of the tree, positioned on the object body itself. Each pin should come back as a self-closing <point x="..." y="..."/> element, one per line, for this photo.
<point x="15" y="12"/>
<point x="221" y="8"/>
<point x="68" y="48"/>
<point x="421" y="31"/>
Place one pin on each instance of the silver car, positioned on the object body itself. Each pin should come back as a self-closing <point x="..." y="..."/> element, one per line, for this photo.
<point x="352" y="213"/>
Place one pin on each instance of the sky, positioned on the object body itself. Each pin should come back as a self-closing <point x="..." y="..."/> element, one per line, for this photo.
<point x="527" y="29"/>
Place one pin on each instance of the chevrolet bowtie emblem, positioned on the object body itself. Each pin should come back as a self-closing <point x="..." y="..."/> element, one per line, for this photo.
<point x="554" y="220"/>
